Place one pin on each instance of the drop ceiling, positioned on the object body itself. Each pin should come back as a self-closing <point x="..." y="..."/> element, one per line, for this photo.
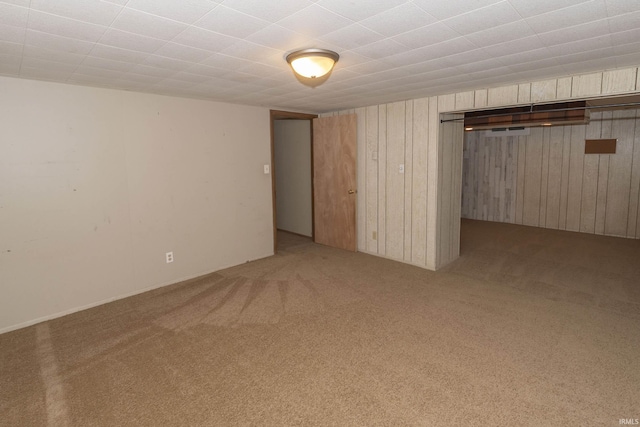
<point x="233" y="50"/>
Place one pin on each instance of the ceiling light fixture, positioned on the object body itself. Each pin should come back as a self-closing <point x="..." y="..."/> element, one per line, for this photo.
<point x="312" y="63"/>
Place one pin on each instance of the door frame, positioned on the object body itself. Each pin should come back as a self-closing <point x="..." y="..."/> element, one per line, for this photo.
<point x="289" y="115"/>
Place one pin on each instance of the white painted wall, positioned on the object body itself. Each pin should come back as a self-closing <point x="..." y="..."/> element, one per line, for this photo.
<point x="292" y="147"/>
<point x="96" y="185"/>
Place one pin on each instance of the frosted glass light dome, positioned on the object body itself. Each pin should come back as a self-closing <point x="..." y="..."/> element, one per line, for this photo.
<point x="312" y="63"/>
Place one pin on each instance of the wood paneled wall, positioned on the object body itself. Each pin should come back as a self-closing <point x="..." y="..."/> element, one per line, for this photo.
<point x="545" y="179"/>
<point x="413" y="217"/>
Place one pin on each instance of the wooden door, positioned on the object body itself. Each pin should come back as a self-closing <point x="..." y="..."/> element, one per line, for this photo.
<point x="334" y="181"/>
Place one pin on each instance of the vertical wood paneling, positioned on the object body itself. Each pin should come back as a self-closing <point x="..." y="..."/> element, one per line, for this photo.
<point x="524" y="93"/>
<point x="634" y="197"/>
<point x="465" y="100"/>
<point x="432" y="184"/>
<point x="408" y="179"/>
<point x="420" y="178"/>
<point x="504" y="95"/>
<point x="446" y="169"/>
<point x="511" y="170"/>
<point x="517" y="173"/>
<point x="544" y="177"/>
<point x="480" y="98"/>
<point x="361" y="170"/>
<point x="395" y="180"/>
<point x="619" y="177"/>
<point x="590" y="193"/>
<point x="458" y="139"/>
<point x="564" y="184"/>
<point x="563" y="88"/>
<point x="590" y="180"/>
<point x="544" y="90"/>
<point x="522" y="158"/>
<point x="619" y="81"/>
<point x="382" y="179"/>
<point x="372" y="178"/>
<point x="603" y="175"/>
<point x="586" y="85"/>
<point x="576" y="168"/>
<point x="533" y="178"/>
<point x="554" y="177"/>
<point x="619" y="182"/>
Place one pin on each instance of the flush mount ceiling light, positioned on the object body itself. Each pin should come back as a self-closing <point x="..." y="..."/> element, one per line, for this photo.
<point x="312" y="63"/>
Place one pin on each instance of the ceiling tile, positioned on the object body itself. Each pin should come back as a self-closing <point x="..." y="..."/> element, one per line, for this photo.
<point x="495" y="35"/>
<point x="514" y="46"/>
<point x="630" y="21"/>
<point x="166" y="63"/>
<point x="230" y="22"/>
<point x="271" y="11"/>
<point x="98" y="73"/>
<point x="580" y="46"/>
<point x="352" y="36"/>
<point x="107" y="64"/>
<point x="187" y="11"/>
<point x="250" y="51"/>
<point x="65" y="27"/>
<point x="9" y="48"/>
<point x="380" y="49"/>
<point x="9" y="33"/>
<point x="182" y="52"/>
<point x="578" y="32"/>
<point x="450" y="8"/>
<point x="37" y="63"/>
<point x="582" y="13"/>
<point x="148" y="25"/>
<point x="485" y="18"/>
<point x="52" y="55"/>
<point x="13" y="15"/>
<point x="277" y="37"/>
<point x="53" y="42"/>
<point x="619" y="7"/>
<point x="152" y="46"/>
<point x="624" y="37"/>
<point x="398" y="20"/>
<point x="10" y="65"/>
<point x="529" y="8"/>
<point x="152" y="71"/>
<point x="427" y="35"/>
<point x="203" y="39"/>
<point x="130" y="41"/>
<point x="91" y="11"/>
<point x="314" y="21"/>
<point x="358" y="11"/>
<point x="118" y="54"/>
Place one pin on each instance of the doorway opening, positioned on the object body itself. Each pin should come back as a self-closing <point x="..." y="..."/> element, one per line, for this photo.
<point x="292" y="178"/>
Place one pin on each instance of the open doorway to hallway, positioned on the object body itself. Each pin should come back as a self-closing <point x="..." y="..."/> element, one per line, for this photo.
<point x="292" y="160"/>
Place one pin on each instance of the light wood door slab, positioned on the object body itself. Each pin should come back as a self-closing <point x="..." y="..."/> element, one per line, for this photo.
<point x="334" y="181"/>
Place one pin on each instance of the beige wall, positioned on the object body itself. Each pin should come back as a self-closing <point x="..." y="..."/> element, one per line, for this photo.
<point x="96" y="185"/>
<point x="414" y="214"/>
<point x="546" y="180"/>
<point x="292" y="153"/>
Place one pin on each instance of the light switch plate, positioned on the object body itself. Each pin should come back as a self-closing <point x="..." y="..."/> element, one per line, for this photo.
<point x="267" y="169"/>
<point x="401" y="169"/>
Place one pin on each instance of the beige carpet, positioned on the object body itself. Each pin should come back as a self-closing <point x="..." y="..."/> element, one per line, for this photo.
<point x="529" y="327"/>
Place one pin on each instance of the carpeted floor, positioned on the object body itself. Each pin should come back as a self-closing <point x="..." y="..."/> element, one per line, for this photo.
<point x="529" y="327"/>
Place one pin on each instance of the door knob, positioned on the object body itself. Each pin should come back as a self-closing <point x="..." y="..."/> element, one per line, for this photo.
<point x="352" y="191"/>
